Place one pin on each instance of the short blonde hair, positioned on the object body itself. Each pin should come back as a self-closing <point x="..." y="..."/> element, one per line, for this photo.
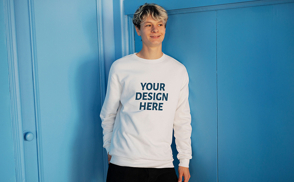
<point x="157" y="13"/>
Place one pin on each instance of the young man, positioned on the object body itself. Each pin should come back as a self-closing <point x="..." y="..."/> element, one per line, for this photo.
<point x="146" y="99"/>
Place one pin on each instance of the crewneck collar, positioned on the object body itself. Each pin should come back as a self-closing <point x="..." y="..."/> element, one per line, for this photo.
<point x="151" y="61"/>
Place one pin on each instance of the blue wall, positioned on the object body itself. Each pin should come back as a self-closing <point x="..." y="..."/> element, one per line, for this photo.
<point x="7" y="167"/>
<point x="256" y="93"/>
<point x="194" y="46"/>
<point x="66" y="60"/>
<point x="132" y="5"/>
<point x="240" y="60"/>
<point x="58" y="58"/>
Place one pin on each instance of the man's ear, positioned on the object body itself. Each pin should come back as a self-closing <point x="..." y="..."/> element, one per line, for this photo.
<point x="137" y="30"/>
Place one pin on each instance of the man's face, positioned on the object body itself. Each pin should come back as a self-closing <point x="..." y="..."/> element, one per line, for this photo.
<point x="152" y="32"/>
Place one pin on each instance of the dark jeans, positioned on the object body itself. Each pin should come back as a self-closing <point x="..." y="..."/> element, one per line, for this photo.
<point x="117" y="173"/>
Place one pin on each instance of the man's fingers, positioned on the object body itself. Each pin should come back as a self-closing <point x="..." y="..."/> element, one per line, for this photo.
<point x="180" y="177"/>
<point x="109" y="158"/>
<point x="187" y="177"/>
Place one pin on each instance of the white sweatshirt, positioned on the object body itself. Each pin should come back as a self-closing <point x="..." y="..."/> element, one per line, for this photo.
<point x="146" y="100"/>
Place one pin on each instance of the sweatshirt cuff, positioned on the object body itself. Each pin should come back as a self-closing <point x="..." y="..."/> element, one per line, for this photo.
<point x="107" y="149"/>
<point x="184" y="162"/>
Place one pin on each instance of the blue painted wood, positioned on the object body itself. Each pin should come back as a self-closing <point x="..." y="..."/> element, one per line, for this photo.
<point x="7" y="165"/>
<point x="61" y="50"/>
<point x="123" y="31"/>
<point x="228" y="6"/>
<point x="117" y="8"/>
<point x="68" y="77"/>
<point x="190" y="38"/>
<point x="255" y="92"/>
<point x="125" y="34"/>
<point x="16" y="122"/>
<point x="106" y="53"/>
<point x="35" y="81"/>
<point x="26" y="81"/>
<point x="131" y="35"/>
<point x="132" y="5"/>
<point x="106" y="13"/>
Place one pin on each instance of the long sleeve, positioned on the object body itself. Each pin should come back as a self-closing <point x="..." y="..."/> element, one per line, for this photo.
<point x="110" y="107"/>
<point x="182" y="125"/>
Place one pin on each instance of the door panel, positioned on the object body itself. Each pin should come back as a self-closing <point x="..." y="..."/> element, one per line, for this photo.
<point x="7" y="165"/>
<point x="26" y="84"/>
<point x="59" y="75"/>
<point x="67" y="52"/>
<point x="255" y="95"/>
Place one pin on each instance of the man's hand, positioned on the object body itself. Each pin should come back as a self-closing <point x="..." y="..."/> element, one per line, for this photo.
<point x="184" y="171"/>
<point x="109" y="157"/>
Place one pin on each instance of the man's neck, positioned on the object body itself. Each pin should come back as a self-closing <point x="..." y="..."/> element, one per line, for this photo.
<point x="150" y="53"/>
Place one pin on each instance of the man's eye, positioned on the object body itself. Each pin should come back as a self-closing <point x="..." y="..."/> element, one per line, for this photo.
<point x="160" y="24"/>
<point x="148" y="25"/>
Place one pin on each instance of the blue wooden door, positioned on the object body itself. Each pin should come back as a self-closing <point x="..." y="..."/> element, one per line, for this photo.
<point x="57" y="48"/>
<point x="7" y="158"/>
<point x="239" y="56"/>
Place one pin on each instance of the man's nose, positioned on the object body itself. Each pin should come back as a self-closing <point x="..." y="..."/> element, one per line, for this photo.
<point x="155" y="29"/>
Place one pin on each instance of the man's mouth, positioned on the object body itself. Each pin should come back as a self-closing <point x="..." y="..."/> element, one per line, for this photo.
<point x="155" y="37"/>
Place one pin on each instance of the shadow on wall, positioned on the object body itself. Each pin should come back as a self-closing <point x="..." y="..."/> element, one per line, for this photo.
<point x="87" y="147"/>
<point x="87" y="152"/>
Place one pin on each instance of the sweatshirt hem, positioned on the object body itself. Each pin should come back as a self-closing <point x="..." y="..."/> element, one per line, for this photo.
<point x="122" y="161"/>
